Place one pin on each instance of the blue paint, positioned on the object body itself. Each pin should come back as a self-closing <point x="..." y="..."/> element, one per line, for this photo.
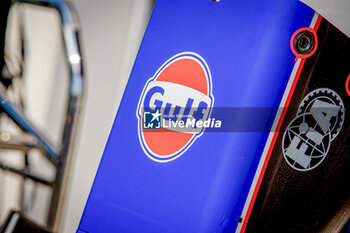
<point x="246" y="46"/>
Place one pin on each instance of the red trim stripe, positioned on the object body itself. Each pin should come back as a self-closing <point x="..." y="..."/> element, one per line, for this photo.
<point x="297" y="75"/>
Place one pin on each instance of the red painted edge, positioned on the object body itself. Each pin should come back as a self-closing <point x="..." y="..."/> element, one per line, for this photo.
<point x="297" y="75"/>
<point x="347" y="85"/>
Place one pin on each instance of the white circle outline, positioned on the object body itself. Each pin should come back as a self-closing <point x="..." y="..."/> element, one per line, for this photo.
<point x="190" y="55"/>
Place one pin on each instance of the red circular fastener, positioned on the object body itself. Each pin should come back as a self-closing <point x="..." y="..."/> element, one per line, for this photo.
<point x="347" y="85"/>
<point x="292" y="42"/>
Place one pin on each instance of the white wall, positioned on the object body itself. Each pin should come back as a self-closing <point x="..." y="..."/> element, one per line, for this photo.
<point x="111" y="33"/>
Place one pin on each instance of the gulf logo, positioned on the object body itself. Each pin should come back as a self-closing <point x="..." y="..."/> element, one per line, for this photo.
<point x="181" y="89"/>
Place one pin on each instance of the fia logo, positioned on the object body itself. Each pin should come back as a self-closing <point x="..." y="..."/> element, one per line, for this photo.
<point x="180" y="90"/>
<point x="308" y="137"/>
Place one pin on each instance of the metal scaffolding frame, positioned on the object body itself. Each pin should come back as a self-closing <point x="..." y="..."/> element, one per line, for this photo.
<point x="32" y="137"/>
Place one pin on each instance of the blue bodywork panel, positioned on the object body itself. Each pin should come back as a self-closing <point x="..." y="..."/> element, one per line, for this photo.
<point x="246" y="47"/>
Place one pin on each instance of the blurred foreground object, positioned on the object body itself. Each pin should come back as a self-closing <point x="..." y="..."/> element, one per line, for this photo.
<point x="58" y="154"/>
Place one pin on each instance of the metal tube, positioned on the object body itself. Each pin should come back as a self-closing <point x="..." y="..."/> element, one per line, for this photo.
<point x="70" y="28"/>
<point x="28" y="127"/>
<point x="26" y="174"/>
